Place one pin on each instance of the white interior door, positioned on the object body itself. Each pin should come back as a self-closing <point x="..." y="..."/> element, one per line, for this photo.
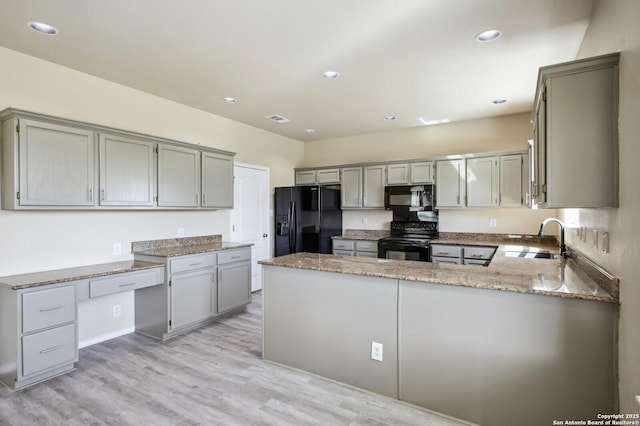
<point x="250" y="215"/>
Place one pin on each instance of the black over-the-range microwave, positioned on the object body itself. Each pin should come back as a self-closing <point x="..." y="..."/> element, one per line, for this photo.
<point x="415" y="198"/>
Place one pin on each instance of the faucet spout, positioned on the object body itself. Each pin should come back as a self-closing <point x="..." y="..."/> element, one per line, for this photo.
<point x="563" y="247"/>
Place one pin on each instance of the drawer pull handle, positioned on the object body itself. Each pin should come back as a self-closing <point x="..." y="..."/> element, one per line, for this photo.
<point x="127" y="285"/>
<point x="236" y="257"/>
<point x="195" y="264"/>
<point x="443" y="253"/>
<point x="51" y="308"/>
<point x="55" y="348"/>
<point x="476" y="255"/>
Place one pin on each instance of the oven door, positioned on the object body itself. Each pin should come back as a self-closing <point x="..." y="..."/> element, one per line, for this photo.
<point x="404" y="251"/>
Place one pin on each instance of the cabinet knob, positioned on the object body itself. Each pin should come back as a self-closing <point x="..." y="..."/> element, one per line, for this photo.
<point x="265" y="235"/>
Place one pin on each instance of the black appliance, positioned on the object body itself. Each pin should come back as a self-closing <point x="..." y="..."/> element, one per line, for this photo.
<point x="407" y="200"/>
<point x="409" y="240"/>
<point x="306" y="217"/>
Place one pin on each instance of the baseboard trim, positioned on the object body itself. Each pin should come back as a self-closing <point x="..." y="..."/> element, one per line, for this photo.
<point x="105" y="337"/>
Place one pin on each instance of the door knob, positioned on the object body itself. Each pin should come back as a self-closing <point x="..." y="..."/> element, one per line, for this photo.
<point x="265" y="235"/>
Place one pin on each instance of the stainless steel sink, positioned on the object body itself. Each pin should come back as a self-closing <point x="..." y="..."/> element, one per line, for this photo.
<point x="532" y="254"/>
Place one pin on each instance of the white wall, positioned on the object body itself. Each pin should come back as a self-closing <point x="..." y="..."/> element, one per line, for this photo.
<point x="614" y="27"/>
<point x="35" y="241"/>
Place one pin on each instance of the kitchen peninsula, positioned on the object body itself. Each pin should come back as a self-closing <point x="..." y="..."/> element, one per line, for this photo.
<point x="523" y="339"/>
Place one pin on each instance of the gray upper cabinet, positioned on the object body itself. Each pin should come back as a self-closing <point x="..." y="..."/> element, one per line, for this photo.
<point x="127" y="169"/>
<point x="317" y="176"/>
<point x="351" y="187"/>
<point x="178" y="176"/>
<point x="513" y="180"/>
<point x="576" y="134"/>
<point x="482" y="182"/>
<point x="373" y="190"/>
<point x="398" y="174"/>
<point x="450" y="183"/>
<point x="47" y="164"/>
<point x="50" y="163"/>
<point x="422" y="172"/>
<point x="217" y="180"/>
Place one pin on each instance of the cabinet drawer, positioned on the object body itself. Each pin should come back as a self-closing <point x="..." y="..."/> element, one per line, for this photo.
<point x="190" y="263"/>
<point x="228" y="256"/>
<point x="479" y="262"/>
<point x="124" y="282"/>
<point x="47" y="349"/>
<point x="366" y="254"/>
<point x="367" y="246"/>
<point x="48" y="308"/>
<point x="343" y="252"/>
<point x="445" y="250"/>
<point x="478" y="252"/>
<point x="451" y="260"/>
<point x="343" y="244"/>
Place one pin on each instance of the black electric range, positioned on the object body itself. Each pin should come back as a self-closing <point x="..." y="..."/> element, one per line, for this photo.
<point x="409" y="240"/>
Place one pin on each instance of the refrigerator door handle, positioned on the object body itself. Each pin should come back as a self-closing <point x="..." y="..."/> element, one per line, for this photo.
<point x="294" y="227"/>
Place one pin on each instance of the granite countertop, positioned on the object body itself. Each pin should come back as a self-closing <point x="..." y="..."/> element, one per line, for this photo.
<point x="36" y="279"/>
<point x="551" y="277"/>
<point x="362" y="234"/>
<point x="183" y="246"/>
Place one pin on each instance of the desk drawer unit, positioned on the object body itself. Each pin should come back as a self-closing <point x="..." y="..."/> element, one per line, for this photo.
<point x="125" y="282"/>
<point x="48" y="308"/>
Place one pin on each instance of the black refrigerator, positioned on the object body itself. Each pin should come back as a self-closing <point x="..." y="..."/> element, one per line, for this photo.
<point x="306" y="217"/>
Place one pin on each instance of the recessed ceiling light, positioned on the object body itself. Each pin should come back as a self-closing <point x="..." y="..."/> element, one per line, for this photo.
<point x="499" y="101"/>
<point x="432" y="122"/>
<point x="331" y="75"/>
<point x="310" y="130"/>
<point x="488" y="35"/>
<point x="390" y="117"/>
<point x="43" y="28"/>
<point x="230" y="100"/>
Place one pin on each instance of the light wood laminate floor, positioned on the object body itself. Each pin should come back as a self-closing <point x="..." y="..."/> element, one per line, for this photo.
<point x="211" y="376"/>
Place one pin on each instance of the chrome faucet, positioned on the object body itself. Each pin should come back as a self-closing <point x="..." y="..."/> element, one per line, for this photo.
<point x="563" y="248"/>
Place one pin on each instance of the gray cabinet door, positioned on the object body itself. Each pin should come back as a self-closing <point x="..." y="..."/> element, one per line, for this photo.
<point x="450" y="181"/>
<point x="422" y="172"/>
<point x="482" y="182"/>
<point x="234" y="286"/>
<point x="351" y="187"/>
<point x="397" y="174"/>
<point x="56" y="165"/>
<point x="374" y="178"/>
<point x="126" y="171"/>
<point x="511" y="180"/>
<point x="217" y="181"/>
<point x="178" y="176"/>
<point x="192" y="297"/>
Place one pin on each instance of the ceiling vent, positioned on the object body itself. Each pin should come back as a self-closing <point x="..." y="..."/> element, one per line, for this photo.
<point x="278" y="118"/>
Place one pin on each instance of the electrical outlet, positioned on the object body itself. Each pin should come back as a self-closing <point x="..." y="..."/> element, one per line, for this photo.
<point x="117" y="249"/>
<point x="376" y="351"/>
<point x="364" y="220"/>
<point x="180" y="232"/>
<point x="493" y="223"/>
<point x="117" y="310"/>
<point x="604" y="242"/>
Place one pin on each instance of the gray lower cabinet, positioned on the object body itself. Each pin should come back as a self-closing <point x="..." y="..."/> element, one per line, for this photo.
<point x="199" y="288"/>
<point x="462" y="255"/>
<point x="358" y="248"/>
<point x="234" y="279"/>
<point x="39" y="333"/>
